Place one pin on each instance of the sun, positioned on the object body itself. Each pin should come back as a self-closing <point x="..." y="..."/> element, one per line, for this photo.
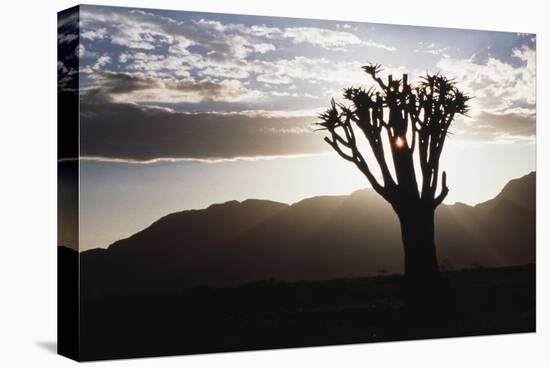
<point x="399" y="142"/>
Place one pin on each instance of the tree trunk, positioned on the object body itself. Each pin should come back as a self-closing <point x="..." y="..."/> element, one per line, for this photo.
<point x="426" y="294"/>
<point x="417" y="232"/>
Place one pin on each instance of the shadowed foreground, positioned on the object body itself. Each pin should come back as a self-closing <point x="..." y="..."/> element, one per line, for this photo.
<point x="273" y="314"/>
<point x="181" y="287"/>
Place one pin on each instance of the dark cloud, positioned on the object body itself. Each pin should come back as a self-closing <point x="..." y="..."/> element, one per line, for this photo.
<point x="493" y="127"/>
<point x="125" y="131"/>
<point x="518" y="124"/>
<point x="116" y="83"/>
<point x="128" y="87"/>
<point x="132" y="132"/>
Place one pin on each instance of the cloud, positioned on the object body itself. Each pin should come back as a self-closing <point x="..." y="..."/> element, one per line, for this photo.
<point x="68" y="50"/>
<point x="285" y="71"/>
<point x="137" y="29"/>
<point x="137" y="88"/>
<point x="102" y="61"/>
<point x="129" y="28"/>
<point x="91" y="35"/>
<point x="503" y="108"/>
<point x="432" y="49"/>
<point x="281" y="71"/>
<point x="80" y="51"/>
<point x="346" y="26"/>
<point x="510" y="124"/>
<point x="124" y="57"/>
<point x="262" y="31"/>
<point x="67" y="37"/>
<point x="322" y="37"/>
<point x="120" y="131"/>
<point x="496" y="85"/>
<point x="371" y="43"/>
<point x="329" y="39"/>
<point x="262" y="48"/>
<point x="182" y="64"/>
<point x="161" y="47"/>
<point x="168" y="61"/>
<point x="157" y="65"/>
<point x="517" y="125"/>
<point x="325" y="38"/>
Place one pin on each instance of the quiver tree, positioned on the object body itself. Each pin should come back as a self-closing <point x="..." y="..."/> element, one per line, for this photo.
<point x="403" y="124"/>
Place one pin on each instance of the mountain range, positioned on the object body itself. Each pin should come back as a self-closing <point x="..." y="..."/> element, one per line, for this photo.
<point x="323" y="237"/>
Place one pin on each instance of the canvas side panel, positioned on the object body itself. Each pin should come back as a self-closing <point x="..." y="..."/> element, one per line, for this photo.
<point x="68" y="183"/>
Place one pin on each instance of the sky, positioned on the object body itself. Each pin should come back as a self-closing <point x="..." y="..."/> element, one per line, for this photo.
<point x="180" y="110"/>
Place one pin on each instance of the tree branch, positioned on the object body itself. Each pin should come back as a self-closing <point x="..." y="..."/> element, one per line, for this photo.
<point x="336" y="147"/>
<point x="372" y="70"/>
<point x="444" y="191"/>
<point x="360" y="162"/>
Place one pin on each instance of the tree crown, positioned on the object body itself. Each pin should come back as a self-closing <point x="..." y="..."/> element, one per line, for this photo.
<point x="413" y="117"/>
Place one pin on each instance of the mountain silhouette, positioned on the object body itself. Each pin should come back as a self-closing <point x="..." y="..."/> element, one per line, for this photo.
<point x="318" y="238"/>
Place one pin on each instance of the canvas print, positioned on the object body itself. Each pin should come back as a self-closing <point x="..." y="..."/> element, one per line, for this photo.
<point x="232" y="182"/>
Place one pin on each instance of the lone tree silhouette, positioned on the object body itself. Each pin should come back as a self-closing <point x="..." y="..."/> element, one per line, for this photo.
<point x="412" y="121"/>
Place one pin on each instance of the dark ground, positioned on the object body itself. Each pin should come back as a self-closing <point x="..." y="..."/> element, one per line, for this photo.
<point x="272" y="314"/>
